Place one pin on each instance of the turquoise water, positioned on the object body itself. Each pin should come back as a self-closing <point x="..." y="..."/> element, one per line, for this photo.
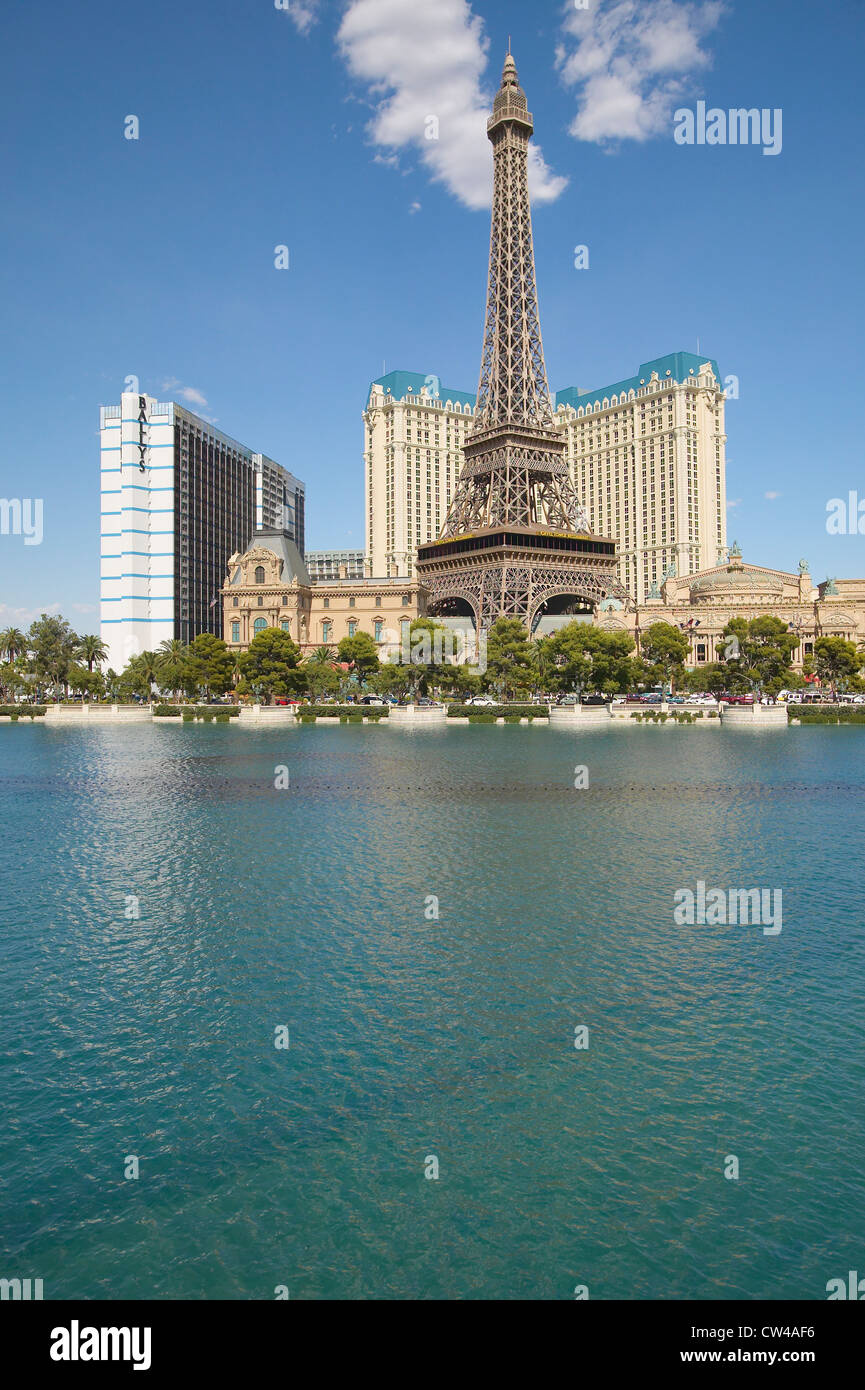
<point x="412" y="1037"/>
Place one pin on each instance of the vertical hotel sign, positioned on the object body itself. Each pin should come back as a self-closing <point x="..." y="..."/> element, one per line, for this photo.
<point x="143" y="434"/>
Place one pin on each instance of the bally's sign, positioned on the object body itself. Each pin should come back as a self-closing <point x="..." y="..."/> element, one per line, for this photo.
<point x="142" y="433"/>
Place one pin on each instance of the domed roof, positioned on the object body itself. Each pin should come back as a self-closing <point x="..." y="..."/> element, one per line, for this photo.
<point x="738" y="578"/>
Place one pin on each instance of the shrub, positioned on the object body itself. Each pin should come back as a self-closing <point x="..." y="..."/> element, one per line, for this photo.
<point x="337" y="711"/>
<point x="499" y="711"/>
<point x="222" y="719"/>
<point x="482" y="718"/>
<point x="15" y="711"/>
<point x="188" y="716"/>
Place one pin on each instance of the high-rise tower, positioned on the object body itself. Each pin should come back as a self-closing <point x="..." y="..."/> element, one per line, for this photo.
<point x="516" y="541"/>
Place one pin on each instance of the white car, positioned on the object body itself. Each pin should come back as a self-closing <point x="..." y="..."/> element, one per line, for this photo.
<point x="481" y="700"/>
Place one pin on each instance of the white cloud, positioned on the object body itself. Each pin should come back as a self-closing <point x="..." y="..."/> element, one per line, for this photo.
<point x="422" y="61"/>
<point x="23" y="617"/>
<point x="631" y="61"/>
<point x="415" y="207"/>
<point x="185" y="393"/>
<point x="303" y="13"/>
<point x="772" y="496"/>
<point x="736" y="502"/>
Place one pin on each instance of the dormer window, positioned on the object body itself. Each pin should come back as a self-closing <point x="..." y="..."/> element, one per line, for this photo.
<point x="259" y="574"/>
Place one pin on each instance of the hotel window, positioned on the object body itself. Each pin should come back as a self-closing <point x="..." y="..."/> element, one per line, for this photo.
<point x="352" y="626"/>
<point x="379" y="624"/>
<point x="286" y="627"/>
<point x="260" y="601"/>
<point x="405" y="629"/>
<point x="235" y="632"/>
<point x="378" y="601"/>
<point x="325" y="630"/>
<point x="235" y="602"/>
<point x="260" y="625"/>
<point x="327" y="603"/>
<point x="351" y="603"/>
<point x="259" y="574"/>
<point x="285" y="600"/>
<point x="405" y="600"/>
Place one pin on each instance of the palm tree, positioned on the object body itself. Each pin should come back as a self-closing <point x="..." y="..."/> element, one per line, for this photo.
<point x="92" y="649"/>
<point x="12" y="643"/>
<point x="171" y="658"/>
<point x="321" y="656"/>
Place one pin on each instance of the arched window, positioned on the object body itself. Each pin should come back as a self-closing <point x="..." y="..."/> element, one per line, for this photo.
<point x="260" y="625"/>
<point x="259" y="574"/>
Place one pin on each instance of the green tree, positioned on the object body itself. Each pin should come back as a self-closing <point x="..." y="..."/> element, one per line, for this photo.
<point x="210" y="664"/>
<point x="321" y="677"/>
<point x="759" y="653"/>
<point x="83" y="681"/>
<point x="582" y="655"/>
<point x="138" y="676"/>
<point x="271" y="665"/>
<point x="13" y="643"/>
<point x="666" y="647"/>
<point x="91" y="649"/>
<point x="392" y="678"/>
<point x="510" y="657"/>
<point x="836" y="660"/>
<point x="360" y="652"/>
<point x="173" y="665"/>
<point x="51" y="643"/>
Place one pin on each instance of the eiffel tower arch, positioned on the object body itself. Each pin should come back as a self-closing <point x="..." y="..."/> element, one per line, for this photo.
<point x="516" y="536"/>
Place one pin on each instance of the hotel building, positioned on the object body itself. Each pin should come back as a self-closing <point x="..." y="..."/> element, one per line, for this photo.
<point x="647" y="456"/>
<point x="335" y="564"/>
<point x="178" y="498"/>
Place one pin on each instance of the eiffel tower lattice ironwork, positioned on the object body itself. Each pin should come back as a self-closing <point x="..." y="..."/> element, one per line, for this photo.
<point x="516" y="534"/>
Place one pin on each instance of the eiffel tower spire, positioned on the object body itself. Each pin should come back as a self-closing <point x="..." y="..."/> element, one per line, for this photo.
<point x="515" y="471"/>
<point x="516" y="539"/>
<point x="513" y="383"/>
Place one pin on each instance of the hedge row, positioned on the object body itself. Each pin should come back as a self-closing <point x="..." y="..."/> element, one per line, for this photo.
<point x="196" y="711"/>
<point x="842" y="714"/>
<point x="29" y="711"/>
<point x="340" y="711"/>
<point x="487" y="712"/>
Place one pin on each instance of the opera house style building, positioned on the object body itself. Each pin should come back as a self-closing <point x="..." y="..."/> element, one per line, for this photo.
<point x="705" y="602"/>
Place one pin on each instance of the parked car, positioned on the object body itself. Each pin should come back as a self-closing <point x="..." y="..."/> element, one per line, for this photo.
<point x="595" y="700"/>
<point x="738" y="699"/>
<point x="372" y="700"/>
<point x="480" y="700"/>
<point x="425" y="703"/>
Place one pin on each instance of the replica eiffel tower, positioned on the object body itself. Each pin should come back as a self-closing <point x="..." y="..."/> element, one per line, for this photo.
<point x="516" y="540"/>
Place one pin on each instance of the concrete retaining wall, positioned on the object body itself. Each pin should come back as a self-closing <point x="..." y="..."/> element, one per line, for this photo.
<point x="754" y="716"/>
<point x="578" y="716"/>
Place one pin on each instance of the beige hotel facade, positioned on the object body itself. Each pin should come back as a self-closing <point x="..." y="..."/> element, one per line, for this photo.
<point x="647" y="456"/>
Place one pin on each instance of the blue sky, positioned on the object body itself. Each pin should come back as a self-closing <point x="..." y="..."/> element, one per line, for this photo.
<point x="261" y="127"/>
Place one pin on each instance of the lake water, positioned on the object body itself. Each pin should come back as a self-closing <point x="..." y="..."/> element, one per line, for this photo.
<point x="310" y="908"/>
